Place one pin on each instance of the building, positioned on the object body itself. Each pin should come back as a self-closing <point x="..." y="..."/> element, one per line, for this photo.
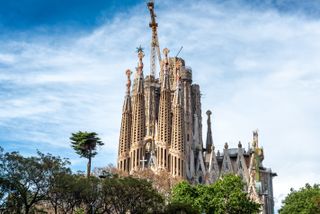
<point x="161" y="129"/>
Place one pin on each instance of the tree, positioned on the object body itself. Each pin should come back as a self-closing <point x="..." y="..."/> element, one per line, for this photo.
<point x="65" y="192"/>
<point x="85" y="145"/>
<point x="26" y="180"/>
<point x="306" y="200"/>
<point x="224" y="196"/>
<point x="180" y="208"/>
<point x="90" y="193"/>
<point x="185" y="193"/>
<point x="229" y="197"/>
<point x="123" y="195"/>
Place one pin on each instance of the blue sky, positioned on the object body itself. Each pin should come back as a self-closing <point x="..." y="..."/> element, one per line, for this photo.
<point x="62" y="67"/>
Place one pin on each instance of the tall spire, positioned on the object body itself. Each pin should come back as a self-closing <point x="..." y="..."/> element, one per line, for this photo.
<point x="138" y="117"/>
<point x="177" y="150"/>
<point x="164" y="120"/>
<point x="209" y="141"/>
<point x="125" y="131"/>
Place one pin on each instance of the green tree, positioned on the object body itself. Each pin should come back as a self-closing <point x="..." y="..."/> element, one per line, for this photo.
<point x="185" y="193"/>
<point x="26" y="180"/>
<point x="65" y="192"/>
<point x="90" y="193"/>
<point x="306" y="200"/>
<point x="123" y="195"/>
<point x="85" y="145"/>
<point x="229" y="197"/>
<point x="224" y="196"/>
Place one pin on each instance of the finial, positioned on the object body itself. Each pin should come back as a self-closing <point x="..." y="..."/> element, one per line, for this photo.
<point x="218" y="153"/>
<point x="226" y="145"/>
<point x="166" y="61"/>
<point x="128" y="73"/>
<point x="208" y="113"/>
<point x="139" y="49"/>
<point x="239" y="144"/>
<point x="166" y="52"/>
<point x="140" y="56"/>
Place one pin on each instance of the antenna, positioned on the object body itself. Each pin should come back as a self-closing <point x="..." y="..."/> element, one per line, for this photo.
<point x="179" y="51"/>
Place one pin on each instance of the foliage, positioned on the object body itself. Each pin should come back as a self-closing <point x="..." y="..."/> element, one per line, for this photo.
<point x="224" y="196"/>
<point x="184" y="193"/>
<point x="229" y="197"/>
<point x="34" y="184"/>
<point x="306" y="200"/>
<point x="31" y="184"/>
<point x="26" y="180"/>
<point x="120" y="195"/>
<point x="85" y="145"/>
<point x="64" y="192"/>
<point x="180" y="208"/>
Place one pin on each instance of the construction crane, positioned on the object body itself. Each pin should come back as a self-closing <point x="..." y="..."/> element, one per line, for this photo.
<point x="155" y="49"/>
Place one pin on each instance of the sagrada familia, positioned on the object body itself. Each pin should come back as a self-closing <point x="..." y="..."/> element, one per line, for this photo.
<point x="161" y="129"/>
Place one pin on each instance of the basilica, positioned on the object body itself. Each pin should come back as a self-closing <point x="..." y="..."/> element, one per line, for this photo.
<point x="161" y="129"/>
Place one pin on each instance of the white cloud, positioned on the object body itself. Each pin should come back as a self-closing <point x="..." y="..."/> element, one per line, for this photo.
<point x="256" y="69"/>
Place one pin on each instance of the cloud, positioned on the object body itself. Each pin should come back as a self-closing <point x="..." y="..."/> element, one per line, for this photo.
<point x="256" y="69"/>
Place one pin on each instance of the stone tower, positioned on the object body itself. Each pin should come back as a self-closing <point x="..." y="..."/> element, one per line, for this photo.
<point x="177" y="149"/>
<point x="125" y="131"/>
<point x="138" y="118"/>
<point x="164" y="123"/>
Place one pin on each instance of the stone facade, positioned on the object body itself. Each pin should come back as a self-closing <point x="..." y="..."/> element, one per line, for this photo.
<point x="161" y="129"/>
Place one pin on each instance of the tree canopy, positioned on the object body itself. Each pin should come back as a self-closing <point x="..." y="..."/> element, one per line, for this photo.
<point x="224" y="196"/>
<point x="85" y="145"/>
<point x="306" y="200"/>
<point x="44" y="182"/>
<point x="25" y="181"/>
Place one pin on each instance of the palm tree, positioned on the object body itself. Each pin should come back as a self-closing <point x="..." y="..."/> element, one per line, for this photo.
<point x="85" y="145"/>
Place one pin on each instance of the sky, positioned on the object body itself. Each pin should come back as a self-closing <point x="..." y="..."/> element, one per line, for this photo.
<point x="62" y="69"/>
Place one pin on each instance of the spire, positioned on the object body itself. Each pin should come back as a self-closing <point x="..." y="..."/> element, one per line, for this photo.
<point x="177" y="150"/>
<point x="241" y="166"/>
<point x="127" y="99"/>
<point x="213" y="166"/>
<point x="164" y="118"/>
<point x="209" y="142"/>
<point x="125" y="130"/>
<point x="140" y="70"/>
<point x="166" y="80"/>
<point x="177" y="120"/>
<point x="138" y="117"/>
<point x="226" y="162"/>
